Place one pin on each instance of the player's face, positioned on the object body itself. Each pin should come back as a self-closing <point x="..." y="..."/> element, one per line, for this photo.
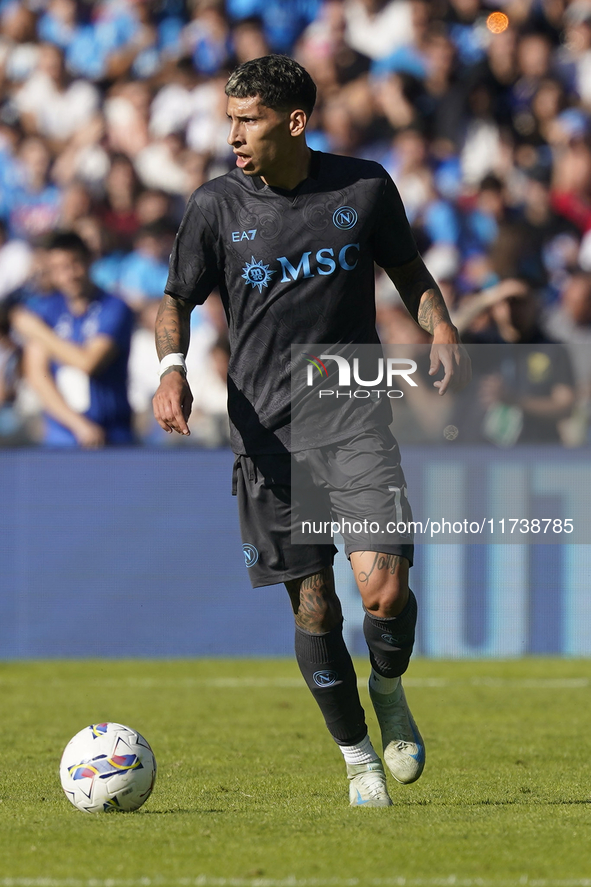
<point x="261" y="138"/>
<point x="68" y="272"/>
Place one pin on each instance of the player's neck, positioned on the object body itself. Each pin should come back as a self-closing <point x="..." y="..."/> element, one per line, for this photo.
<point x="292" y="172"/>
<point x="79" y="300"/>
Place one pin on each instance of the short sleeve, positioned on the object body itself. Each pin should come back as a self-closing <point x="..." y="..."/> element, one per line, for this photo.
<point x="43" y="307"/>
<point x="393" y="241"/>
<point x="193" y="265"/>
<point x="115" y="320"/>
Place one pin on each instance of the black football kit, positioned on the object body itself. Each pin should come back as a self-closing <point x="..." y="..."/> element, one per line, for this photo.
<point x="293" y="267"/>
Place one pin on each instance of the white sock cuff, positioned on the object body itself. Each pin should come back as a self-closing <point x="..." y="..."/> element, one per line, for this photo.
<point x="363" y="753"/>
<point x="382" y="685"/>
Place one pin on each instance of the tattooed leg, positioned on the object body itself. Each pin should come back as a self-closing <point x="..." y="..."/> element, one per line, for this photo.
<point x="314" y="602"/>
<point x="323" y="658"/>
<point x="390" y="609"/>
<point x="382" y="580"/>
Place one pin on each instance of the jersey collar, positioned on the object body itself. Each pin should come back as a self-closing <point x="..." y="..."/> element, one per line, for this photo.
<point x="313" y="173"/>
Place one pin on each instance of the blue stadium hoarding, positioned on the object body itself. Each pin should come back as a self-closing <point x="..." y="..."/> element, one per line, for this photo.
<point x="137" y="553"/>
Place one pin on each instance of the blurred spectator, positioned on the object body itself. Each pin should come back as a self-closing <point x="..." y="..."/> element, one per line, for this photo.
<point x="118" y="211"/>
<point x="206" y="39"/>
<point x="536" y="244"/>
<point x="249" y="41"/>
<point x="521" y="395"/>
<point x="283" y="20"/>
<point x="105" y="269"/>
<point x="84" y="158"/>
<point x="376" y="28"/>
<point x="52" y="106"/>
<point x="112" y="113"/>
<point x="127" y="114"/>
<point x="463" y="19"/>
<point x="143" y="272"/>
<point x="171" y="107"/>
<point x="112" y="42"/>
<point x="35" y="204"/>
<point x="534" y="64"/>
<point x="15" y="262"/>
<point x="18" y="43"/>
<point x="37" y="281"/>
<point x="161" y="164"/>
<point x="571" y="185"/>
<point x="323" y="49"/>
<point x="517" y="318"/>
<point x="209" y="417"/>
<point x="481" y="222"/>
<point x="58" y="23"/>
<point x="569" y="321"/>
<point x="153" y="206"/>
<point x="528" y="399"/>
<point x="482" y="145"/>
<point x="143" y="373"/>
<point x="76" y="352"/>
<point x="575" y="55"/>
<point x="498" y="72"/>
<point x="207" y="130"/>
<point x="9" y="371"/>
<point x="75" y="205"/>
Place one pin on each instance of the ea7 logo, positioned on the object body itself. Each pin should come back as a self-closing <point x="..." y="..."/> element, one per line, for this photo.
<point x="244" y="235"/>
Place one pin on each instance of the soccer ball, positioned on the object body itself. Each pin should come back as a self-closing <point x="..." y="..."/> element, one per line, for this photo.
<point x="107" y="767"/>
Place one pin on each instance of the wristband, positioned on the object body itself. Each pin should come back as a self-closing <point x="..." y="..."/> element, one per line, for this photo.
<point x="172" y="360"/>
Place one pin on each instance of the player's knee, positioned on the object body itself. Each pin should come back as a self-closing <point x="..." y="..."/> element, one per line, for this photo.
<point x="387" y="598"/>
<point x="316" y="607"/>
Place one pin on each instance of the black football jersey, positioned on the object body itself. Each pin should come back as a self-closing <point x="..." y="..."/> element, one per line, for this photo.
<point x="291" y="267"/>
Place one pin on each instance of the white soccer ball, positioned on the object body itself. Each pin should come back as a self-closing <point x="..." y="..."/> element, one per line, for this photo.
<point x="107" y="767"/>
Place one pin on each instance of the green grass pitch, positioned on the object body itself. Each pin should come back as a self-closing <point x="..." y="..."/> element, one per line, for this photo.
<point x="251" y="789"/>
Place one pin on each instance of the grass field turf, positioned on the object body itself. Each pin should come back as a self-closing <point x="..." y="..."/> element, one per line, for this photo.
<point x="251" y="788"/>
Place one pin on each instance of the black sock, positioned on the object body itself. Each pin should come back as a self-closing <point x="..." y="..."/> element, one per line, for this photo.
<point x="390" y="641"/>
<point x="328" y="671"/>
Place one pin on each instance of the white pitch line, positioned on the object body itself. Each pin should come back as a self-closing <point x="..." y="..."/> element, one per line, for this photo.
<point x="297" y="683"/>
<point x="205" y="881"/>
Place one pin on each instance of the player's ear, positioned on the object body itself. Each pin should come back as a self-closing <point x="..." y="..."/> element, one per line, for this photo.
<point x="297" y="122"/>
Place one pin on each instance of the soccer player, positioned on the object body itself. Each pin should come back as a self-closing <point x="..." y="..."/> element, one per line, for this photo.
<point x="290" y="238"/>
<point x="77" y="347"/>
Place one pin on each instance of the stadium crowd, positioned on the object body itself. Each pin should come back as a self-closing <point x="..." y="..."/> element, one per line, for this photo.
<point x="113" y="112"/>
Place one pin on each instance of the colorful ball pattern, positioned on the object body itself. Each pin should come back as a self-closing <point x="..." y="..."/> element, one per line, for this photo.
<point x="107" y="767"/>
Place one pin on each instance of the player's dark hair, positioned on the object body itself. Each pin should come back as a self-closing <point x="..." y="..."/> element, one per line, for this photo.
<point x="491" y="182"/>
<point x="70" y="242"/>
<point x="280" y="82"/>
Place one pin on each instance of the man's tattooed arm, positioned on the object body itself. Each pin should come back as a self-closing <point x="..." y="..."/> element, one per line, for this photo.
<point x="173" y="326"/>
<point x="422" y="297"/>
<point x="173" y="399"/>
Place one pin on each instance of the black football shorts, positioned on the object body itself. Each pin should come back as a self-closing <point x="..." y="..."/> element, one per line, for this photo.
<point x="358" y="483"/>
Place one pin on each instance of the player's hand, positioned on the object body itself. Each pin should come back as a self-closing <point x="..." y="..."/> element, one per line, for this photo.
<point x="172" y="403"/>
<point x="88" y="434"/>
<point x="454" y="359"/>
